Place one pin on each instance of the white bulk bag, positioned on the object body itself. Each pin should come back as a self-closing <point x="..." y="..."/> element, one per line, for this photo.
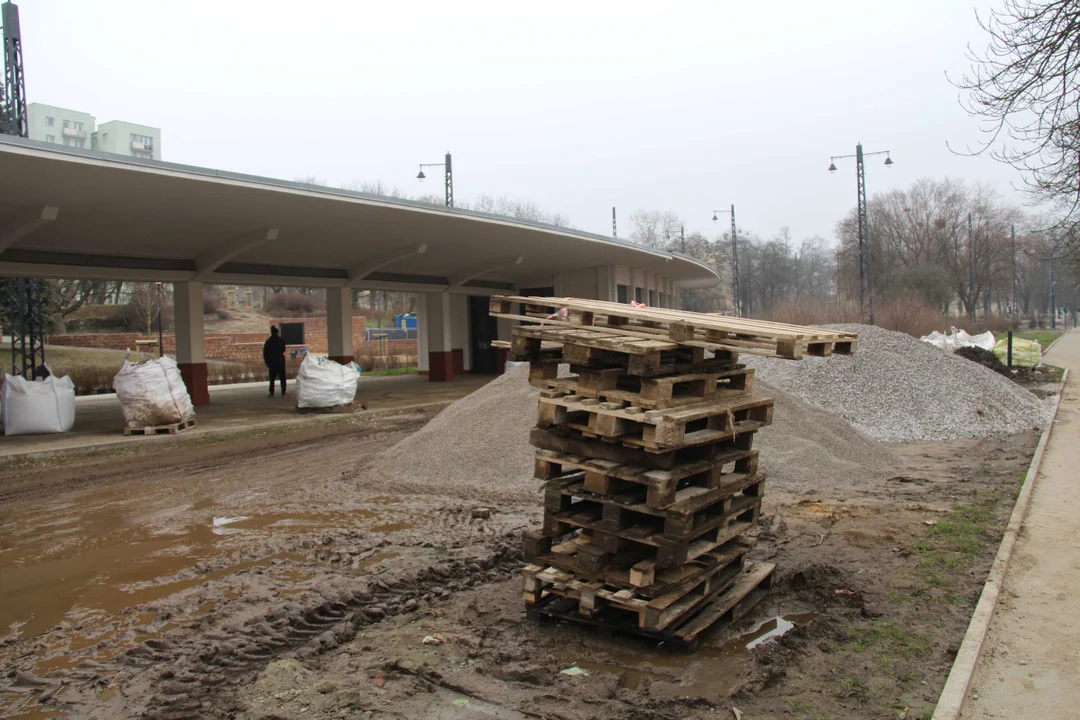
<point x="32" y="407"/>
<point x="322" y="383"/>
<point x="152" y="393"/>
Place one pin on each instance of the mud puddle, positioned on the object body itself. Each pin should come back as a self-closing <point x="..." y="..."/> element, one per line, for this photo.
<point x="70" y="562"/>
<point x="711" y="673"/>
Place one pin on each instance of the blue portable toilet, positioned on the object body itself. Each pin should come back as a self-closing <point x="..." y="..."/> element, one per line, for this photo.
<point x="405" y="321"/>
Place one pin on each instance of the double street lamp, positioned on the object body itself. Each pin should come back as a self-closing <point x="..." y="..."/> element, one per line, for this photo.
<point x="449" y="178"/>
<point x="737" y="295"/>
<point x="866" y="294"/>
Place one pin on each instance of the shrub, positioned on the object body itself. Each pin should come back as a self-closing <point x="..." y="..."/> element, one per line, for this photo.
<point x="805" y="312"/>
<point x="211" y="303"/>
<point x="293" y="304"/>
<point x="910" y="314"/>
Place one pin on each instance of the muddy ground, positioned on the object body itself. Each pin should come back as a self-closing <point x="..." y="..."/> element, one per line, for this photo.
<point x="121" y="596"/>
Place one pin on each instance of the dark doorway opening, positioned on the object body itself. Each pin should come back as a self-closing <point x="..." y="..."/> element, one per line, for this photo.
<point x="483" y="328"/>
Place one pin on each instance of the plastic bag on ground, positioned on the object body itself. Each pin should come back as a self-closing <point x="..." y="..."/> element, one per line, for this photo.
<point x="152" y="393"/>
<point x="33" y="407"/>
<point x="323" y="383"/>
<point x="1026" y="353"/>
<point x="958" y="339"/>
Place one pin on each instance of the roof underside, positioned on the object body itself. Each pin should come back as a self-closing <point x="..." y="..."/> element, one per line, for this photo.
<point x="139" y="220"/>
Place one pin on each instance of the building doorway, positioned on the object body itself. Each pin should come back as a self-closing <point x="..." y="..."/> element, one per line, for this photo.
<point x="483" y="329"/>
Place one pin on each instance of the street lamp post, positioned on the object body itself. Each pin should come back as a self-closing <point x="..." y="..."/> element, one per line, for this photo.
<point x="736" y="290"/>
<point x="866" y="287"/>
<point x="449" y="178"/>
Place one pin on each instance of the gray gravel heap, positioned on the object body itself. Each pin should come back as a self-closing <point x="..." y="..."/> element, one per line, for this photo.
<point x="898" y="389"/>
<point x="478" y="448"/>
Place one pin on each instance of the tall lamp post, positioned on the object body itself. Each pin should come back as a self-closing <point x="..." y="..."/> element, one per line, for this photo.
<point x="736" y="290"/>
<point x="449" y="178"/>
<point x="866" y="287"/>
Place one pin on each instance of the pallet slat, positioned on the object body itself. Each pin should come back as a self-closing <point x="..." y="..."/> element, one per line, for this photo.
<point x="161" y="429"/>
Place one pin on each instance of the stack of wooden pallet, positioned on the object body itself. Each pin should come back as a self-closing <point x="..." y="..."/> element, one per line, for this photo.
<point x="646" y="452"/>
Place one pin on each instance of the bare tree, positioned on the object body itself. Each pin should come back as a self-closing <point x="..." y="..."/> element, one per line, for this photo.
<point x="1025" y="85"/>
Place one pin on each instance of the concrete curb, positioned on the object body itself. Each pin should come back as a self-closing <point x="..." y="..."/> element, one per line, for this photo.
<point x="125" y="442"/>
<point x="955" y="693"/>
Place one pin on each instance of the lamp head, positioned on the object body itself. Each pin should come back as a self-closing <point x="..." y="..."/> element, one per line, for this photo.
<point x="888" y="160"/>
<point x="832" y="167"/>
<point x="420" y="175"/>
<point x="714" y="217"/>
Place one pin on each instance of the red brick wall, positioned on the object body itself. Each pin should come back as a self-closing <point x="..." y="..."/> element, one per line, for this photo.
<point x="240" y="347"/>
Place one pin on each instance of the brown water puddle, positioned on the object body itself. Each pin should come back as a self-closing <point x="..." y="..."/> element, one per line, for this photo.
<point x="71" y="559"/>
<point x="711" y="673"/>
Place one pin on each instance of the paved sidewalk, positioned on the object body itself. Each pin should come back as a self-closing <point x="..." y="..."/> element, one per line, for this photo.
<point x="99" y="422"/>
<point x="1030" y="666"/>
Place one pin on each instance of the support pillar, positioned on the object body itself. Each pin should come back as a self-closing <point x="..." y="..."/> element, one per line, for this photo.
<point x="437" y="321"/>
<point x="459" y="334"/>
<point x="190" y="351"/>
<point x="339" y="339"/>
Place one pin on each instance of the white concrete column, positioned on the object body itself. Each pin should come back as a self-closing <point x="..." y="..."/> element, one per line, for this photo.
<point x="438" y="337"/>
<point x="190" y="347"/>
<point x="459" y="333"/>
<point x="339" y="340"/>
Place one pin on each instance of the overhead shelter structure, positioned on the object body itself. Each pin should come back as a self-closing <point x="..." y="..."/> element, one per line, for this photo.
<point x="72" y="213"/>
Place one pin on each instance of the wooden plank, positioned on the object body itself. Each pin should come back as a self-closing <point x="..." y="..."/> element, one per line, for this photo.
<point x="688" y="329"/>
<point x="758" y="577"/>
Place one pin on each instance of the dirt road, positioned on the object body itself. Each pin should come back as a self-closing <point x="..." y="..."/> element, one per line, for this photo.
<point x="1032" y="651"/>
<point x="271" y="576"/>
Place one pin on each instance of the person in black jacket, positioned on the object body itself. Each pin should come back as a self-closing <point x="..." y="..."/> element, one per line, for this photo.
<point x="274" y="357"/>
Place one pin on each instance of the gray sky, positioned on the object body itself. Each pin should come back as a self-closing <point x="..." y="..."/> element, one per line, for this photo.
<point x="579" y="106"/>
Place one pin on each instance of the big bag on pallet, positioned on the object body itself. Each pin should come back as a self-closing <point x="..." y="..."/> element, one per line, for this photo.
<point x="152" y="393"/>
<point x="1025" y="353"/>
<point x="34" y="407"/>
<point x="323" y="383"/>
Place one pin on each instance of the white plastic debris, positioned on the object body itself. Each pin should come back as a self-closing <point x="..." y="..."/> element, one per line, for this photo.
<point x="574" y="670"/>
<point x="435" y="639"/>
<point x="34" y="407"/>
<point x="957" y="339"/>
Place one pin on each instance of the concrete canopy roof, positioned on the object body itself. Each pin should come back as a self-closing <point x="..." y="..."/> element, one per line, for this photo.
<point x="67" y="212"/>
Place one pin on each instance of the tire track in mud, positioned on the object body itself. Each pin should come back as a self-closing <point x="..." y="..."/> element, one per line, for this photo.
<point x="201" y="676"/>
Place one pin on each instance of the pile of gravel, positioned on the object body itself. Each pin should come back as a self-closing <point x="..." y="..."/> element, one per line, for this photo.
<point x="898" y="389"/>
<point x="807" y="449"/>
<point x="478" y="448"/>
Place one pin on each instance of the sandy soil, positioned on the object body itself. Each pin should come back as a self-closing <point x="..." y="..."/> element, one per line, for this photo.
<point x="122" y="597"/>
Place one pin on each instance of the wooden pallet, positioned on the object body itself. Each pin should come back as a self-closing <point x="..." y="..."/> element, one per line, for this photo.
<point x="588" y="347"/>
<point x="635" y="567"/>
<point x="612" y="385"/>
<point x="565" y="440"/>
<point x="681" y="520"/>
<point x="653" y="613"/>
<point x="620" y="546"/>
<point x="727" y="605"/>
<point x="697" y="424"/>
<point x="658" y="488"/>
<point x="689" y="329"/>
<point x="161" y="429"/>
<point x="333" y="409"/>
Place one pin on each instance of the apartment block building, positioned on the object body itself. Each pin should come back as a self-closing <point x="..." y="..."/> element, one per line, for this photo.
<point x="49" y="123"/>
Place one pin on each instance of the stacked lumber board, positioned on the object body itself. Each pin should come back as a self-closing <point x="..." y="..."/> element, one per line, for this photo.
<point x="651" y="481"/>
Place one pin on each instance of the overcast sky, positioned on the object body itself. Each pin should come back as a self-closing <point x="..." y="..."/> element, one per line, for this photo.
<point x="577" y="106"/>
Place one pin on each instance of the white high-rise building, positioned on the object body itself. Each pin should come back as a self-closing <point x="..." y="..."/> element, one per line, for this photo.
<point x="72" y="128"/>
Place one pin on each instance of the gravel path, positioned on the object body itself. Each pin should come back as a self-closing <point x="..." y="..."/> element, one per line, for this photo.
<point x="898" y="389"/>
